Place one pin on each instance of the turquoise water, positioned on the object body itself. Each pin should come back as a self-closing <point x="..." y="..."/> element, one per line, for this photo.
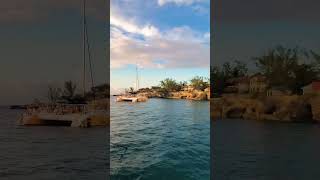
<point x="160" y="139"/>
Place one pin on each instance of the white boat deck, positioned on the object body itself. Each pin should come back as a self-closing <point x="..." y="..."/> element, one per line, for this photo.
<point x="47" y="116"/>
<point x="123" y="98"/>
<point x="132" y="98"/>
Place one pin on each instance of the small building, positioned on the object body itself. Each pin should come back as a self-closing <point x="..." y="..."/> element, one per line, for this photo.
<point x="238" y="85"/>
<point x="243" y="85"/>
<point x="258" y="83"/>
<point x="230" y="90"/>
<point x="155" y="87"/>
<point x="278" y="91"/>
<point x="312" y="88"/>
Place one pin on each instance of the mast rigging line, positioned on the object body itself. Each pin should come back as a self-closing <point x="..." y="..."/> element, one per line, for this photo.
<point x="86" y="46"/>
<point x="89" y="57"/>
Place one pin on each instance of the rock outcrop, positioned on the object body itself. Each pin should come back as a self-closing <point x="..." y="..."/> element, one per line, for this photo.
<point x="277" y="108"/>
<point x="192" y="94"/>
<point x="315" y="107"/>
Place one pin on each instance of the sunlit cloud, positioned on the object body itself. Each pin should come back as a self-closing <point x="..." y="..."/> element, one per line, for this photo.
<point x="178" y="47"/>
<point x="131" y="27"/>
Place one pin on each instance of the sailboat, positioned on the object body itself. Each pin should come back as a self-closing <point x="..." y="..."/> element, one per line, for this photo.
<point x="130" y="96"/>
<point x="74" y="115"/>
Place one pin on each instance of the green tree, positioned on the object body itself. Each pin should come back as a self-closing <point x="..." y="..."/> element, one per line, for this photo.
<point x="239" y="69"/>
<point x="169" y="84"/>
<point x="316" y="57"/>
<point x="218" y="80"/>
<point x="54" y="94"/>
<point x="303" y="74"/>
<point x="131" y="89"/>
<point x="99" y="91"/>
<point x="182" y="84"/>
<point x="220" y="74"/>
<point x="199" y="83"/>
<point x="277" y="64"/>
<point x="69" y="91"/>
<point x="288" y="67"/>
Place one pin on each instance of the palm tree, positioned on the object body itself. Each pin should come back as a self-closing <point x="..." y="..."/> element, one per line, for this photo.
<point x="131" y="90"/>
<point x="69" y="91"/>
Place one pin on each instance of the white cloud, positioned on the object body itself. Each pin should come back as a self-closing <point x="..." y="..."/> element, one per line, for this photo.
<point x="150" y="47"/>
<point x="131" y="27"/>
<point x="178" y="2"/>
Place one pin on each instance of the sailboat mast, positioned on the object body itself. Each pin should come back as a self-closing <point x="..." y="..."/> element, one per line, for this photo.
<point x="137" y="77"/>
<point x="84" y="47"/>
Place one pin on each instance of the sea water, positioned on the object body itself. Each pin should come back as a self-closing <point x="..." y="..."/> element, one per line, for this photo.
<point x="51" y="153"/>
<point x="160" y="139"/>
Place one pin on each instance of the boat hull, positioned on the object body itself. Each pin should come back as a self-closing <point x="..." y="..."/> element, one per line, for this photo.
<point x="131" y="99"/>
<point x="72" y="120"/>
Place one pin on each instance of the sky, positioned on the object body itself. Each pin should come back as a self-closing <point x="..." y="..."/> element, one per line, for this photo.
<point x="41" y="40"/>
<point x="247" y="28"/>
<point x="41" y="45"/>
<point x="164" y="38"/>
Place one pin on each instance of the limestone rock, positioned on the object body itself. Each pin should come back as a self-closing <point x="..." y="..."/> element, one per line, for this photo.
<point x="315" y="106"/>
<point x="279" y="108"/>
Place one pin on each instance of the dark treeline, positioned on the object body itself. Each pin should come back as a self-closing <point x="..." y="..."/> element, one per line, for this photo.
<point x="69" y="93"/>
<point x="291" y="68"/>
<point x="198" y="82"/>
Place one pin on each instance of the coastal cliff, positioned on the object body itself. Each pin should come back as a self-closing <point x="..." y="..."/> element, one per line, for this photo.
<point x="275" y="108"/>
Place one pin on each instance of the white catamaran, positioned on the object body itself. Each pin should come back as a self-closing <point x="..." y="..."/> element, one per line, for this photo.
<point x="131" y="97"/>
<point x="74" y="115"/>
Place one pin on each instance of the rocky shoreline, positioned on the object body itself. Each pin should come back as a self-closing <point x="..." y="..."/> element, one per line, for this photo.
<point x="189" y="95"/>
<point x="305" y="108"/>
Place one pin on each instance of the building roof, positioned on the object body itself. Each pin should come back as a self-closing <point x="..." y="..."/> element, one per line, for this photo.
<point x="258" y="77"/>
<point x="316" y="85"/>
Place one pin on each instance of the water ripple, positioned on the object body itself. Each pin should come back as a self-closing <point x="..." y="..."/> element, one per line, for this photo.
<point x="164" y="139"/>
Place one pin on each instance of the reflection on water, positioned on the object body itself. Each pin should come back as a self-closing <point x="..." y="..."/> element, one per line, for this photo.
<point x="246" y="149"/>
<point x="160" y="139"/>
